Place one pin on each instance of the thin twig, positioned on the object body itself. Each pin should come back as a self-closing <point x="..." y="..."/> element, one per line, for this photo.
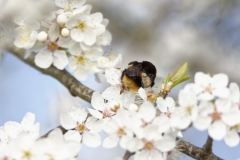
<point x="127" y="155"/>
<point x="207" y="147"/>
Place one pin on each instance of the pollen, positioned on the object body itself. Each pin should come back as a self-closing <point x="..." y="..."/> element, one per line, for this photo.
<point x="81" y="25"/>
<point x="121" y="132"/>
<point x="81" y="59"/>
<point x="236" y="127"/>
<point x="216" y="116"/>
<point x="27" y="154"/>
<point x="208" y="89"/>
<point x="81" y="127"/>
<point x="188" y="110"/>
<point x="52" y="46"/>
<point x="148" y="145"/>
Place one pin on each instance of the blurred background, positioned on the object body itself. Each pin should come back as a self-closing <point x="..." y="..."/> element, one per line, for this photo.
<point x="206" y="34"/>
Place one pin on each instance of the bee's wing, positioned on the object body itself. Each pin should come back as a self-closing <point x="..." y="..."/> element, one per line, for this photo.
<point x="135" y="70"/>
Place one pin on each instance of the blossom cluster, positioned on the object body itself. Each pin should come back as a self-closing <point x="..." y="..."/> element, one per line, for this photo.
<point x="137" y="127"/>
<point x="149" y="127"/>
<point x="141" y="122"/>
<point x="210" y="103"/>
<point x="69" y="36"/>
<point x="19" y="142"/>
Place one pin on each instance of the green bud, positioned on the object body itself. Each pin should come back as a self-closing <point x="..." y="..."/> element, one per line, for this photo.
<point x="180" y="72"/>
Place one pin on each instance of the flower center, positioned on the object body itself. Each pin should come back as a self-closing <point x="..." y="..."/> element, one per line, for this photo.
<point x="81" y="25"/>
<point x="106" y="114"/>
<point x="208" y="89"/>
<point x="148" y="145"/>
<point x="168" y="114"/>
<point x="188" y="110"/>
<point x="81" y="127"/>
<point x="121" y="132"/>
<point x="81" y="59"/>
<point x="68" y="8"/>
<point x="216" y="116"/>
<point x="236" y="127"/>
<point x="27" y="154"/>
<point x="52" y="46"/>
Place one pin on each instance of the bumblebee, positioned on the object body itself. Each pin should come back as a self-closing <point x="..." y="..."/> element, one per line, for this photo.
<point x="138" y="74"/>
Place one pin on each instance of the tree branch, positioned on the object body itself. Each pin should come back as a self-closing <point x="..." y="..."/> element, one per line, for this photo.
<point x="194" y="151"/>
<point x="127" y="155"/>
<point x="208" y="145"/>
<point x="78" y="89"/>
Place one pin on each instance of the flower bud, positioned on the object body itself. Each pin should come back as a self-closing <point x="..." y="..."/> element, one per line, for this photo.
<point x="65" y="32"/>
<point x="62" y="19"/>
<point x="42" y="36"/>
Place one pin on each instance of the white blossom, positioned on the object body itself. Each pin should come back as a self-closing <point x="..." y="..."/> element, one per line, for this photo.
<point x="11" y="130"/>
<point x="51" y="54"/>
<point x="109" y="61"/>
<point x="208" y="87"/>
<point x="117" y="129"/>
<point x="85" y="28"/>
<point x="103" y="109"/>
<point x="187" y="111"/>
<point x="26" y="34"/>
<point x="85" y="128"/>
<point x="82" y="62"/>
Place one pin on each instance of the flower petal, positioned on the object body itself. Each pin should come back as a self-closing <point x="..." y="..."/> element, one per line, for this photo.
<point x="81" y="74"/>
<point x="147" y="111"/>
<point x="12" y="129"/>
<point x="44" y="59"/>
<point x="60" y="59"/>
<point x="165" y="144"/>
<point x="28" y="121"/>
<point x="91" y="139"/>
<point x="77" y="35"/>
<point x="72" y="135"/>
<point x="95" y="113"/>
<point x="202" y="123"/>
<point x="232" y="138"/>
<point x="217" y="130"/>
<point x="111" y="141"/>
<point x="97" y="101"/>
<point x="66" y="121"/>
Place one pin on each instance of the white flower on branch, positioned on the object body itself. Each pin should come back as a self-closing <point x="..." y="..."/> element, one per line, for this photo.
<point x="85" y="28"/>
<point x="102" y="108"/>
<point x="54" y="146"/>
<point x="151" y="146"/>
<point x="113" y="76"/>
<point x="74" y="6"/>
<point x="26" y="34"/>
<point x="51" y="54"/>
<point x="11" y="130"/>
<point x="105" y="38"/>
<point x="117" y="129"/>
<point x="82" y="62"/>
<point x="110" y="61"/>
<point x="221" y="117"/>
<point x="23" y="148"/>
<point x="187" y="112"/>
<point x="208" y="87"/>
<point x="85" y="128"/>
